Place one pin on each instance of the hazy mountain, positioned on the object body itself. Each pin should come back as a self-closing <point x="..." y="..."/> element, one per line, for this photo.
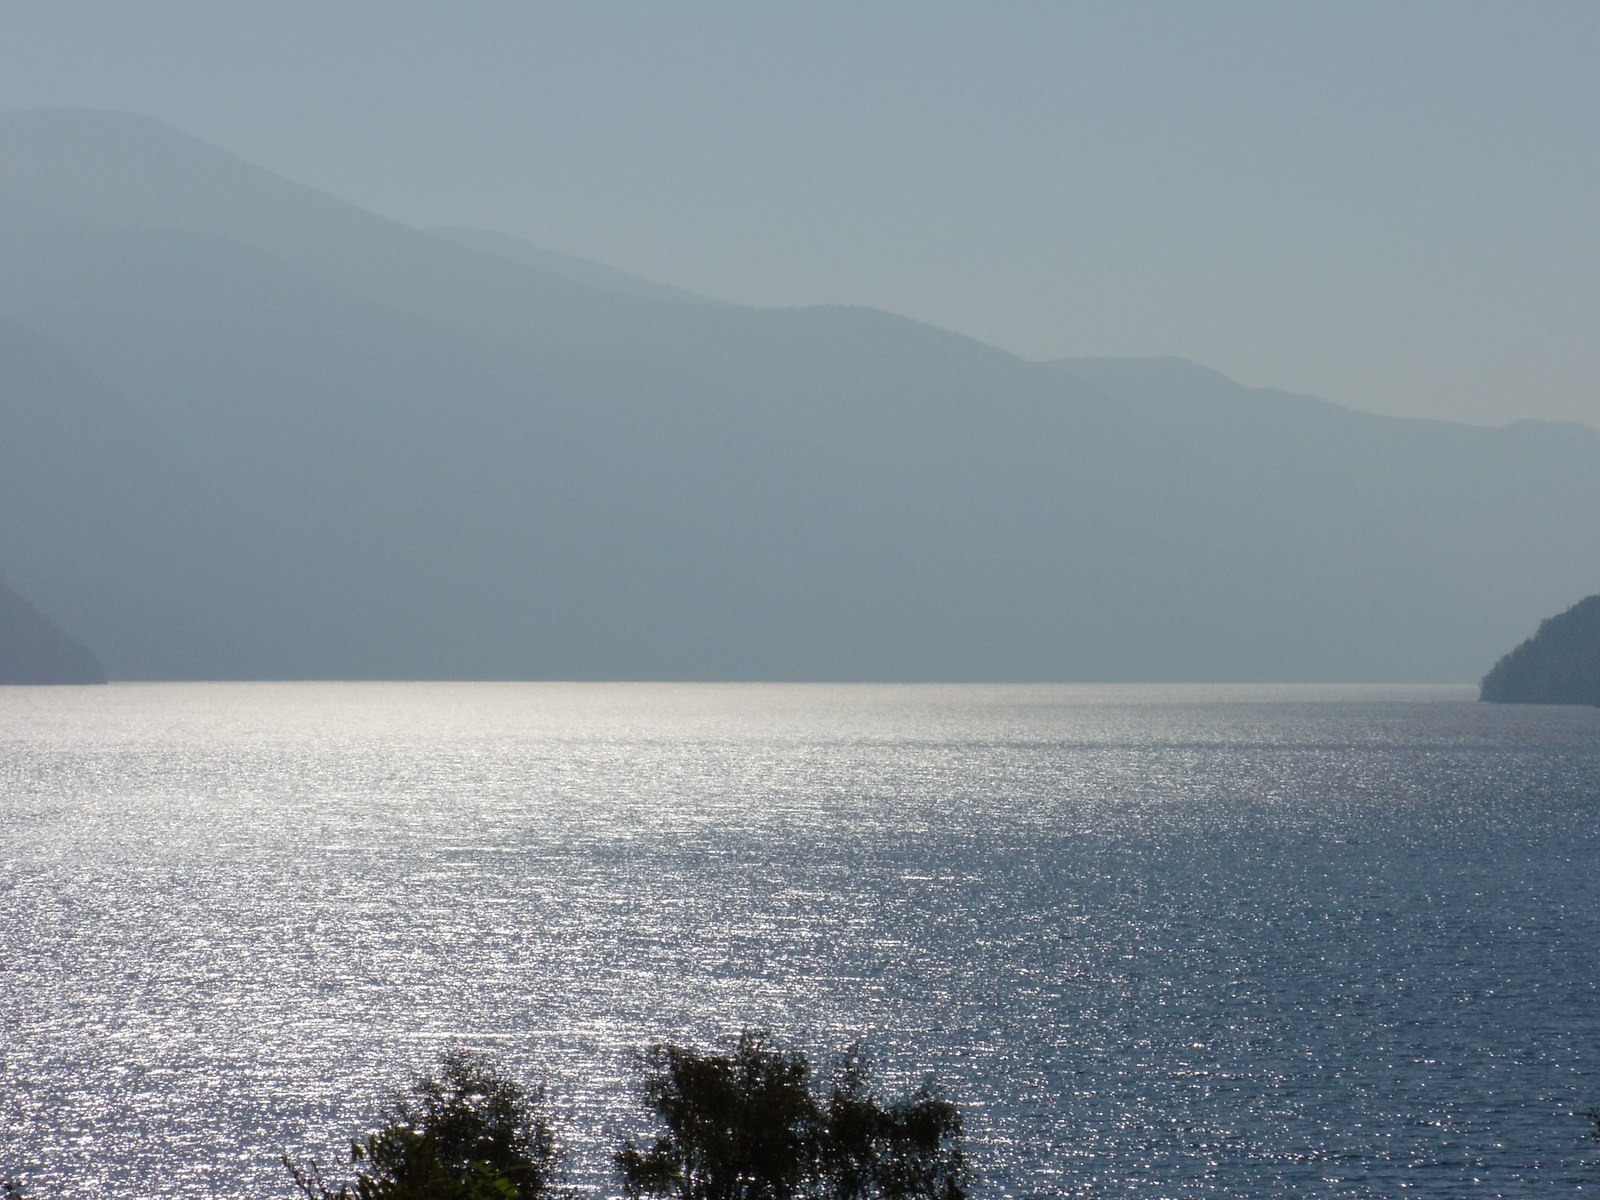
<point x="1424" y="534"/>
<point x="33" y="650"/>
<point x="164" y="568"/>
<point x="352" y="447"/>
<point x="579" y="270"/>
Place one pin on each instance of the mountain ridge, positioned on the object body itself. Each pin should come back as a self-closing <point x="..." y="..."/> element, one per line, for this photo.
<point x="452" y="465"/>
<point x="580" y="270"/>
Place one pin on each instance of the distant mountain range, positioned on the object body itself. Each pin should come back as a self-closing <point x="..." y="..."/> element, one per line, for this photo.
<point x="248" y="430"/>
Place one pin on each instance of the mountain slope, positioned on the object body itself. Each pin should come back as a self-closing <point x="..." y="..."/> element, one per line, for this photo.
<point x="33" y="650"/>
<point x="166" y="569"/>
<point x="426" y="458"/>
<point x="1427" y="534"/>
<point x="1559" y="664"/>
<point x="579" y="270"/>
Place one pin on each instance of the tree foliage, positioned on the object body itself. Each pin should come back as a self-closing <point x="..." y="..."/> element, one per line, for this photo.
<point x="749" y="1124"/>
<point x="467" y="1133"/>
<point x="1559" y="664"/>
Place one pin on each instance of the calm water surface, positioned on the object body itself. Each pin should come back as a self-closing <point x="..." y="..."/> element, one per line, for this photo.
<point x="1159" y="941"/>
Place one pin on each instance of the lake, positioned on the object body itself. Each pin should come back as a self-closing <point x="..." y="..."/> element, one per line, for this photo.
<point x="1158" y="941"/>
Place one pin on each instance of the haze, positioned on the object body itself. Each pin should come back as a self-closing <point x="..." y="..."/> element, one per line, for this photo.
<point x="1391" y="206"/>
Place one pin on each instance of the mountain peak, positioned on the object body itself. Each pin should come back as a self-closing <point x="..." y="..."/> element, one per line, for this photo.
<point x="94" y="167"/>
<point x="63" y="134"/>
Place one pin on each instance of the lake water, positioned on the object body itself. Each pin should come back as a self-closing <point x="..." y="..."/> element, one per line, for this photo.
<point x="1158" y="941"/>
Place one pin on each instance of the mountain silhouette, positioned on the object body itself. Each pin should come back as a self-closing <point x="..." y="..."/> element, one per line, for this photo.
<point x="1559" y="664"/>
<point x="259" y="432"/>
<point x="33" y="650"/>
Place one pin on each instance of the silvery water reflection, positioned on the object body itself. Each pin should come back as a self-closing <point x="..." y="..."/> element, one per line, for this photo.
<point x="1159" y="941"/>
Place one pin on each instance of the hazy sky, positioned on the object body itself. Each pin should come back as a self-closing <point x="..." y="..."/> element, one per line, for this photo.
<point x="1394" y="205"/>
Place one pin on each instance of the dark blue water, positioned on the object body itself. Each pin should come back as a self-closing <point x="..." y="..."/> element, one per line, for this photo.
<point x="1159" y="942"/>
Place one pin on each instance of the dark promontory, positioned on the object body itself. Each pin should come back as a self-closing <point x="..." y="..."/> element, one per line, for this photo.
<point x="32" y="650"/>
<point x="1560" y="664"/>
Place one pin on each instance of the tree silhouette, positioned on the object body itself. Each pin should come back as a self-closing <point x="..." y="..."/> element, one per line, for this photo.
<point x="749" y="1125"/>
<point x="468" y="1133"/>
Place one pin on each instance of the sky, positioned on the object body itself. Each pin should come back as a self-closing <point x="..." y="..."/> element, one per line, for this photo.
<point x="1392" y="205"/>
